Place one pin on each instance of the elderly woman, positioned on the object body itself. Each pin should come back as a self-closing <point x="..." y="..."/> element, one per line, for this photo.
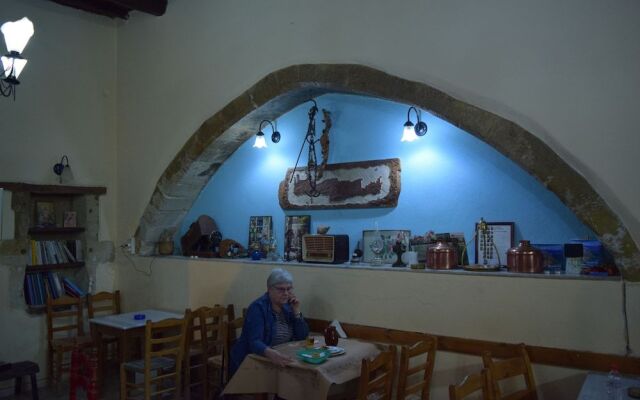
<point x="272" y="319"/>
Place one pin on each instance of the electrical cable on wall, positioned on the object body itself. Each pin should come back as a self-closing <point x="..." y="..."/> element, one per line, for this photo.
<point x="146" y="273"/>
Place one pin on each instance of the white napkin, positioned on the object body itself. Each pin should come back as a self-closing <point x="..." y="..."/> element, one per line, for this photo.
<point x="339" y="329"/>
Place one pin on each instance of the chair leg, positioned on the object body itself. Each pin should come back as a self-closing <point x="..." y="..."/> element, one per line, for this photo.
<point x="18" y="385"/>
<point x="49" y="366"/>
<point x="187" y="378"/>
<point x="123" y="383"/>
<point x="58" y="368"/>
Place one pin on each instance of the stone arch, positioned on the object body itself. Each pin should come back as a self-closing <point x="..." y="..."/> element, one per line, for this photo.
<point x="219" y="136"/>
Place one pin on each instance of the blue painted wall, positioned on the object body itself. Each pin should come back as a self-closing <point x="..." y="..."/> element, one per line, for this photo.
<point x="449" y="179"/>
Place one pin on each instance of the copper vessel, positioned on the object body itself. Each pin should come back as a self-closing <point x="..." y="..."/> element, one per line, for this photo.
<point x="442" y="256"/>
<point x="525" y="258"/>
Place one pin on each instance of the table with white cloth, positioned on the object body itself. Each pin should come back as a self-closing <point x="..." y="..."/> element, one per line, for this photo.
<point x="595" y="387"/>
<point x="125" y="327"/>
<point x="300" y="380"/>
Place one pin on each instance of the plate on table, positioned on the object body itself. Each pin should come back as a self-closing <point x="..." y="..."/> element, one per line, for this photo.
<point x="313" y="356"/>
<point x="334" y="350"/>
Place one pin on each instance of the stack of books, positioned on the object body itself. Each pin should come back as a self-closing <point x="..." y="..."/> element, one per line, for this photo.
<point x="38" y="286"/>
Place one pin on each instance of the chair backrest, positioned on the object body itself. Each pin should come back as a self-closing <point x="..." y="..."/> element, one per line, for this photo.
<point x="164" y="340"/>
<point x="103" y="303"/>
<point x="212" y="320"/>
<point x="231" y="335"/>
<point x="471" y="384"/>
<point x="64" y="315"/>
<point x="376" y="376"/>
<point x="423" y="354"/>
<point x="511" y="367"/>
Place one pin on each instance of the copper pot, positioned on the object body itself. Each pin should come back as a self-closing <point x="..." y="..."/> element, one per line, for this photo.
<point x="442" y="256"/>
<point x="525" y="258"/>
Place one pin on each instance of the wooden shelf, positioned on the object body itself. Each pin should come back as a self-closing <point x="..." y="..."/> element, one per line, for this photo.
<point x="54" y="190"/>
<point x="32" y="269"/>
<point x="54" y="230"/>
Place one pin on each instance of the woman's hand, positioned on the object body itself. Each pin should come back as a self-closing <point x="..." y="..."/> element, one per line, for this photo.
<point x="276" y="357"/>
<point x="295" y="304"/>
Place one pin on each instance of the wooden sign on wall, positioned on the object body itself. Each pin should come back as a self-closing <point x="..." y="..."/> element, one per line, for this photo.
<point x="365" y="184"/>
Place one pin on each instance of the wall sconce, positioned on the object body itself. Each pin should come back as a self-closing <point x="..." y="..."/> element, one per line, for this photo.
<point x="58" y="168"/>
<point x="16" y="36"/>
<point x="260" y="142"/>
<point x="411" y="132"/>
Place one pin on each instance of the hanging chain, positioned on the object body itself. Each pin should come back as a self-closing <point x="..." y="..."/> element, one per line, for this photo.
<point x="312" y="163"/>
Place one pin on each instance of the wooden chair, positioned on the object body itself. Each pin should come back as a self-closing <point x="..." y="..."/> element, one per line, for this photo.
<point x="376" y="376"/>
<point x="221" y="361"/>
<point x="64" y="333"/>
<point x="163" y="357"/>
<point x="423" y="349"/>
<point x="105" y="303"/>
<point x="471" y="384"/>
<point x="509" y="368"/>
<point x="204" y="340"/>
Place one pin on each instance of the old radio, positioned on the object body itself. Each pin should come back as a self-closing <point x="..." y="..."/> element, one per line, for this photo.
<point x="325" y="248"/>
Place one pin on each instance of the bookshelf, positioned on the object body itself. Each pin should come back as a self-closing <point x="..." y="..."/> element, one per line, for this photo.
<point x="56" y="228"/>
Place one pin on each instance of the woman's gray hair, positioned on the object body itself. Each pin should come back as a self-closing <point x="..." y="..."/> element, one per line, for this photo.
<point x="279" y="275"/>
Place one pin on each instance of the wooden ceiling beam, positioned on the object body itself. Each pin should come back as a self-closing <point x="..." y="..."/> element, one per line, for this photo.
<point x="153" y="7"/>
<point x="102" y="7"/>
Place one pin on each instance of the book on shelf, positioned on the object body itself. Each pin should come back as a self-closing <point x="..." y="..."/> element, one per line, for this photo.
<point x="39" y="286"/>
<point x="43" y="252"/>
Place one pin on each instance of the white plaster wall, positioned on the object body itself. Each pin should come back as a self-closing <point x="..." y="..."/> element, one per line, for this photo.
<point x="566" y="71"/>
<point x="65" y="104"/>
<point x="563" y="313"/>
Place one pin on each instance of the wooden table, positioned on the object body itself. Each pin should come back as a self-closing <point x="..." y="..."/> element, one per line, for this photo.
<point x="125" y="327"/>
<point x="299" y="379"/>
<point x="595" y="387"/>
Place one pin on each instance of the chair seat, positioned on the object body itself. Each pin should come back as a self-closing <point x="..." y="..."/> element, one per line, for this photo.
<point x="216" y="360"/>
<point x="156" y="363"/>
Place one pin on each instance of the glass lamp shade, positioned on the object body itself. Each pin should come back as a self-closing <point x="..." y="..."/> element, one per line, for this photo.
<point x="409" y="133"/>
<point x="17" y="34"/>
<point x="260" y="143"/>
<point x="12" y="67"/>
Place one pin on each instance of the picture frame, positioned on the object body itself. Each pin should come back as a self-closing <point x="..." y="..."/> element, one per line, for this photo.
<point x="491" y="246"/>
<point x="389" y="237"/>
<point x="260" y="233"/>
<point x="295" y="226"/>
<point x="70" y="219"/>
<point x="45" y="214"/>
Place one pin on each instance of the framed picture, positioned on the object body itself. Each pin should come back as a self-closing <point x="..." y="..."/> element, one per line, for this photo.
<point x="260" y="233"/>
<point x="45" y="213"/>
<point x="70" y="219"/>
<point x="492" y="244"/>
<point x="295" y="226"/>
<point x="385" y="238"/>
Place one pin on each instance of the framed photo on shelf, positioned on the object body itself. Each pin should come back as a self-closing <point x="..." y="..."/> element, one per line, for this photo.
<point x="295" y="226"/>
<point x="388" y="239"/>
<point x="70" y="219"/>
<point x="491" y="245"/>
<point x="260" y="233"/>
<point x="45" y="214"/>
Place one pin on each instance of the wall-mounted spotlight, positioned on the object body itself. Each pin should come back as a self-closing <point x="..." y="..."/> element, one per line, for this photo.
<point x="58" y="168"/>
<point x="411" y="132"/>
<point x="260" y="141"/>
<point x="16" y="36"/>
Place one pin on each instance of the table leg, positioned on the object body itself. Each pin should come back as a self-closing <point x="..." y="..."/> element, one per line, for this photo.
<point x="34" y="387"/>
<point x="18" y="385"/>
<point x="123" y="348"/>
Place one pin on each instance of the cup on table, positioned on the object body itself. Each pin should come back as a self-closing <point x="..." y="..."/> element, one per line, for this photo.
<point x="310" y="341"/>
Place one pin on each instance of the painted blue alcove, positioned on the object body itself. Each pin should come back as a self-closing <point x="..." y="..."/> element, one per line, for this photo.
<point x="449" y="179"/>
